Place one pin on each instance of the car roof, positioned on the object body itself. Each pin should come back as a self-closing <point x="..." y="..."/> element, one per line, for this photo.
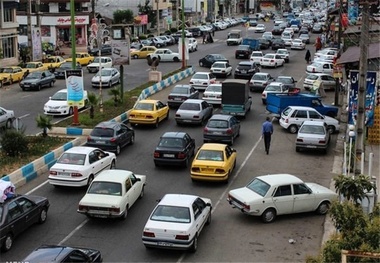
<point x="302" y="108"/>
<point x="213" y="146"/>
<point x="80" y="149"/>
<point x="276" y="83"/>
<point x="262" y="73"/>
<point x="279" y="179"/>
<point x="203" y="72"/>
<point x="178" y="200"/>
<point x="314" y="123"/>
<point x="49" y="254"/>
<point x="148" y="101"/>
<point x="107" y="124"/>
<point x="220" y="117"/>
<point x="173" y="135"/>
<point x="193" y="101"/>
<point x="112" y="175"/>
<point x="246" y="63"/>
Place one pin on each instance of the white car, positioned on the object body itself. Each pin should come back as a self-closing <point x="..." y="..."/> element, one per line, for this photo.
<point x="292" y="118"/>
<point x="313" y="135"/>
<point x="295" y="28"/>
<point x="324" y="58"/>
<point x="165" y="54"/>
<point x="272" y="60"/>
<point x="330" y="53"/>
<point x="213" y="94"/>
<point x="256" y="56"/>
<point x="260" y="28"/>
<point x="107" y="77"/>
<point x="328" y="82"/>
<point x="201" y="80"/>
<point x="193" y="44"/>
<point x="112" y="193"/>
<point x="79" y="165"/>
<point x="269" y="196"/>
<point x="58" y="104"/>
<point x="289" y="30"/>
<point x="177" y="221"/>
<point x="221" y="68"/>
<point x="320" y="67"/>
<point x="273" y="87"/>
<point x="193" y="111"/>
<point x="298" y="44"/>
<point x="287" y="40"/>
<point x="104" y="62"/>
<point x="6" y="118"/>
<point x="284" y="53"/>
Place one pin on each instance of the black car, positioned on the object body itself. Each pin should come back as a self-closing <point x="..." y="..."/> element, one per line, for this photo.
<point x="111" y="136"/>
<point x="37" y="79"/>
<point x="277" y="30"/>
<point x="264" y="43"/>
<point x="208" y="60"/>
<point x="245" y="70"/>
<point x="17" y="214"/>
<point x="104" y="50"/>
<point x="243" y="51"/>
<point x="196" y="31"/>
<point x="174" y="148"/>
<point x="180" y="93"/>
<point x="52" y="253"/>
<point x="278" y="43"/>
<point x="61" y="70"/>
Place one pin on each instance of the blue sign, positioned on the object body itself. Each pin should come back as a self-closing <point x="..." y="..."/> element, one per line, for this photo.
<point x="353" y="98"/>
<point x="75" y="87"/>
<point x="370" y="98"/>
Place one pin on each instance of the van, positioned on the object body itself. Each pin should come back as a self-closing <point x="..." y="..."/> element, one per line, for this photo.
<point x="234" y="37"/>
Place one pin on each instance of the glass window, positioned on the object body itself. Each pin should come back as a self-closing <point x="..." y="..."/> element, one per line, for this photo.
<point x="8" y="14"/>
<point x="300" y="189"/>
<point x="258" y="186"/>
<point x="9" y="45"/>
<point x="283" y="190"/>
<point x="25" y="204"/>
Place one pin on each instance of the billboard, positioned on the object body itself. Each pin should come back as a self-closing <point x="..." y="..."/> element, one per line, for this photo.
<point x="120" y="51"/>
<point x="36" y="43"/>
<point x="75" y="87"/>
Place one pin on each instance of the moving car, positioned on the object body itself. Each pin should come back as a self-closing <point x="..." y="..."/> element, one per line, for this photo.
<point x="107" y="77"/>
<point x="180" y="93"/>
<point x="6" y="118"/>
<point x="264" y="43"/>
<point x="269" y="196"/>
<point x="273" y="87"/>
<point x="260" y="28"/>
<point x="35" y="66"/>
<point x="104" y="50"/>
<point x="259" y="81"/>
<point x="165" y="54"/>
<point x="284" y="53"/>
<point x="278" y="43"/>
<point x="213" y="162"/>
<point x="298" y="44"/>
<point x="143" y="52"/>
<point x="213" y="94"/>
<point x="193" y="44"/>
<point x="221" y="68"/>
<point x="327" y="81"/>
<point x="111" y="194"/>
<point x="193" y="111"/>
<point x="288" y="81"/>
<point x="150" y="112"/>
<point x="104" y="62"/>
<point x="11" y="74"/>
<point x="320" y="67"/>
<point x="111" y="136"/>
<point x="246" y="69"/>
<point x="177" y="221"/>
<point x="54" y="62"/>
<point x="272" y="60"/>
<point x="243" y="51"/>
<point x="256" y="57"/>
<point x="210" y="59"/>
<point x="58" y="104"/>
<point x="82" y="58"/>
<point x="174" y="148"/>
<point x="201" y="80"/>
<point x="313" y="135"/>
<point x="79" y="165"/>
<point x="305" y="38"/>
<point x="38" y="79"/>
<point x="221" y="128"/>
<point x="60" y="72"/>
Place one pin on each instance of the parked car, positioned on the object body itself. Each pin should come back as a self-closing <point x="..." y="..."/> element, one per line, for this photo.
<point x="243" y="51"/>
<point x="148" y="111"/>
<point x="180" y="93"/>
<point x="265" y="196"/>
<point x="112" y="193"/>
<point x="177" y="221"/>
<point x="104" y="50"/>
<point x="273" y="87"/>
<point x="82" y="58"/>
<point x="6" y="118"/>
<point x="245" y="70"/>
<point x="107" y="77"/>
<point x="193" y="111"/>
<point x="328" y="82"/>
<point x="158" y="42"/>
<point x="298" y="44"/>
<point x="35" y="66"/>
<point x="256" y="56"/>
<point x="79" y="165"/>
<point x="284" y="53"/>
<point x="174" y="148"/>
<point x="287" y="81"/>
<point x="60" y="72"/>
<point x="272" y="60"/>
<point x="210" y="59"/>
<point x="37" y="80"/>
<point x="221" y="68"/>
<point x="213" y="162"/>
<point x="196" y="31"/>
<point x="213" y="94"/>
<point x="221" y="128"/>
<point x="104" y="62"/>
<point x="320" y="67"/>
<point x="58" y="104"/>
<point x="143" y="52"/>
<point x="313" y="135"/>
<point x="259" y="81"/>
<point x="201" y="80"/>
<point x="11" y="74"/>
<point x="165" y="54"/>
<point x="111" y="136"/>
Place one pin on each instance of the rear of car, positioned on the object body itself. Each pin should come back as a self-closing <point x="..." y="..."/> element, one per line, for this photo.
<point x="221" y="128"/>
<point x="245" y="70"/>
<point x="213" y="94"/>
<point x="312" y="135"/>
<point x="201" y="80"/>
<point x="193" y="112"/>
<point x="243" y="51"/>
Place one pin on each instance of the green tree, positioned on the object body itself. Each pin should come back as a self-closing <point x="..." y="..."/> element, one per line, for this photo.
<point x="93" y="100"/>
<point x="353" y="189"/>
<point x="44" y="123"/>
<point x="14" y="143"/>
<point x="123" y="16"/>
<point x="115" y="92"/>
<point x="147" y="9"/>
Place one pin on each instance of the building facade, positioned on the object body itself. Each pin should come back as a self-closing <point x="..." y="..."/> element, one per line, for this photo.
<point x="8" y="33"/>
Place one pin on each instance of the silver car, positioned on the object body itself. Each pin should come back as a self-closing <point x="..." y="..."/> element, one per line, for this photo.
<point x="38" y="79"/>
<point x="221" y="128"/>
<point x="193" y="111"/>
<point x="259" y="81"/>
<point x="313" y="135"/>
<point x="180" y="93"/>
<point x="328" y="82"/>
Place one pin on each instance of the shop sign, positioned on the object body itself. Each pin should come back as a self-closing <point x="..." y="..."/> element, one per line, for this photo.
<point x="66" y="20"/>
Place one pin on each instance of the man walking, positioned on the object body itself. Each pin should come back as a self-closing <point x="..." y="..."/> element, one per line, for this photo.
<point x="267" y="132"/>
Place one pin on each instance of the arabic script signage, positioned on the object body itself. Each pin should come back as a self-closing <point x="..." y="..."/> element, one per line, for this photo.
<point x="66" y="20"/>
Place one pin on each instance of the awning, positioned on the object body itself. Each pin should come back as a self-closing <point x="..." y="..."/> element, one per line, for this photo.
<point x="352" y="54"/>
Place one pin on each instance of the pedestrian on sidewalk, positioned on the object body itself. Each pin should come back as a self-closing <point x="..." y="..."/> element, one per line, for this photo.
<point x="267" y="131"/>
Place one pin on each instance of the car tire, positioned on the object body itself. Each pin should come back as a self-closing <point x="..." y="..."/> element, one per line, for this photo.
<point x="157" y="123"/>
<point x="269" y="215"/>
<point x="118" y="149"/>
<point x="90" y="179"/>
<point x="231" y="141"/>
<point x="201" y="64"/>
<point x="293" y="128"/>
<point x="135" y="56"/>
<point x="71" y="111"/>
<point x="125" y="215"/>
<point x="43" y="216"/>
<point x="113" y="165"/>
<point x="330" y="129"/>
<point x="132" y="141"/>
<point x="8" y="124"/>
<point x="39" y="87"/>
<point x="176" y="59"/>
<point x="51" y="84"/>
<point x="142" y="192"/>
<point x="194" y="247"/>
<point x="208" y="222"/>
<point x="323" y="208"/>
<point x="8" y="242"/>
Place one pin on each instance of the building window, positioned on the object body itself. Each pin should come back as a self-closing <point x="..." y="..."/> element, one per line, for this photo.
<point x="23" y="30"/>
<point x="8" y="46"/>
<point x="8" y="15"/>
<point x="62" y="7"/>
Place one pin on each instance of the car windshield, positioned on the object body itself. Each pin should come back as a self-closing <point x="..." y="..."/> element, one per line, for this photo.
<point x="217" y="124"/>
<point x="200" y="76"/>
<point x="59" y="96"/>
<point x="284" y="80"/>
<point x="31" y="65"/>
<point x="5" y="70"/>
<point x="144" y="106"/>
<point x="102" y="132"/>
<point x="312" y="129"/>
<point x="282" y="52"/>
<point x="312" y="77"/>
<point x="98" y="60"/>
<point x="181" y="90"/>
<point x="256" y="55"/>
<point x="170" y="142"/>
<point x="259" y="77"/>
<point x="219" y="65"/>
<point x="105" y="188"/>
<point x="269" y="56"/>
<point x="72" y="158"/>
<point x="214" y="88"/>
<point x="105" y="73"/>
<point x="190" y="106"/>
<point x="258" y="186"/>
<point x="273" y="88"/>
<point x="175" y="214"/>
<point x="210" y="155"/>
<point x="33" y="75"/>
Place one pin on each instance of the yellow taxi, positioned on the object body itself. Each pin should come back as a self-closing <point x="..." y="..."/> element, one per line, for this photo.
<point x="143" y="52"/>
<point x="82" y="58"/>
<point x="34" y="66"/>
<point x="11" y="74"/>
<point x="150" y="112"/>
<point x="213" y="162"/>
<point x="54" y="62"/>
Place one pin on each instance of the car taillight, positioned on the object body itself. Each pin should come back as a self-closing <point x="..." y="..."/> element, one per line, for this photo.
<point x="170" y="97"/>
<point x="205" y="129"/>
<point x="191" y="82"/>
<point x="195" y="169"/>
<point x="115" y="210"/>
<point x="53" y="173"/>
<point x="83" y="208"/>
<point x="219" y="96"/>
<point x="89" y="138"/>
<point x="156" y="154"/>
<point x="148" y="234"/>
<point x="322" y="141"/>
<point x="196" y="117"/>
<point x="229" y="131"/>
<point x="263" y="95"/>
<point x="149" y="117"/>
<point x="181" y="156"/>
<point x="76" y="175"/>
<point x="272" y="60"/>
<point x="113" y="140"/>
<point x="286" y="120"/>
<point x="299" y="140"/>
<point x="131" y="115"/>
<point x="178" y="115"/>
<point x="182" y="237"/>
<point x="219" y="171"/>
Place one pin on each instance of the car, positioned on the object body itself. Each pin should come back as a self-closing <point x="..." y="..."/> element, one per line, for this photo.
<point x="210" y="59"/>
<point x="34" y="66"/>
<point x="148" y="112"/>
<point x="79" y="165"/>
<point x="165" y="54"/>
<point x="252" y="22"/>
<point x="177" y="221"/>
<point x="287" y="40"/>
<point x="193" y="44"/>
<point x="330" y="53"/>
<point x="295" y="28"/>
<point x="180" y="93"/>
<point x="60" y="72"/>
<point x="196" y="31"/>
<point x="303" y="30"/>
<point x="324" y="58"/>
<point x="278" y="43"/>
<point x="221" y="128"/>
<point x="11" y="74"/>
<point x="298" y="44"/>
<point x="284" y="53"/>
<point x="187" y="33"/>
<point x="317" y="28"/>
<point x="201" y="80"/>
<point x="213" y="94"/>
<point x="243" y="51"/>
<point x="272" y="60"/>
<point x="174" y="148"/>
<point x="273" y="87"/>
<point x="59" y="105"/>
<point x="320" y="67"/>
<point x="269" y="196"/>
<point x="268" y="36"/>
<point x="259" y="81"/>
<point x="260" y="28"/>
<point x="19" y="213"/>
<point x="104" y="50"/>
<point x="166" y="39"/>
<point x="6" y="118"/>
<point x="288" y="30"/>
<point x="143" y="52"/>
<point x="305" y="38"/>
<point x="213" y="162"/>
<point x="193" y="111"/>
<point x="55" y="253"/>
<point x="104" y="62"/>
<point x="328" y="82"/>
<point x="256" y="56"/>
<point x="111" y="136"/>
<point x="292" y="118"/>
<point x="36" y="80"/>
<point x="313" y="135"/>
<point x="111" y="194"/>
<point x="82" y="58"/>
<point x="287" y="81"/>
<point x="221" y="68"/>
<point x="264" y="43"/>
<point x="158" y="42"/>
<point x="245" y="70"/>
<point x="53" y="62"/>
<point x="277" y="30"/>
<point x="107" y="77"/>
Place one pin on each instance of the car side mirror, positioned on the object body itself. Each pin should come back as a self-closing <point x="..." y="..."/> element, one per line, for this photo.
<point x="233" y="150"/>
<point x="138" y="179"/>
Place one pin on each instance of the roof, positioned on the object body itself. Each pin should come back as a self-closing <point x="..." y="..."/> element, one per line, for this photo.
<point x="220" y="117"/>
<point x="352" y="54"/>
<point x="80" y="149"/>
<point x="107" y="124"/>
<point x="113" y="175"/>
<point x="147" y="101"/>
<point x="313" y="123"/>
<point x="173" y="134"/>
<point x="278" y="179"/>
<point x="213" y="146"/>
<point x="178" y="200"/>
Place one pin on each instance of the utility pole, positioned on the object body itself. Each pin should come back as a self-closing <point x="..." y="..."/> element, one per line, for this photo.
<point x="359" y="127"/>
<point x="337" y="84"/>
<point x="158" y="18"/>
<point x="29" y="29"/>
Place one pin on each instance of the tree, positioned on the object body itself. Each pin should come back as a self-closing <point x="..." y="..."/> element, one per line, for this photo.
<point x="147" y="9"/>
<point x="353" y="189"/>
<point x="93" y="100"/>
<point x="123" y="16"/>
<point x="44" y="122"/>
<point x="115" y="92"/>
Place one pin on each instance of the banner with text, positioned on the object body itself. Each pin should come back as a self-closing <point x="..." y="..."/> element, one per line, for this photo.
<point x="75" y="87"/>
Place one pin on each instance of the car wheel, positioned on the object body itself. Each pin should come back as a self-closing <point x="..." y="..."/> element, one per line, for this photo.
<point x="208" y="219"/>
<point x="118" y="149"/>
<point x="90" y="179"/>
<point x="323" y="208"/>
<point x="269" y="215"/>
<point x="135" y="56"/>
<point x="232" y="140"/>
<point x="71" y="111"/>
<point x="194" y="247"/>
<point x="331" y="129"/>
<point x="8" y="242"/>
<point x="110" y="84"/>
<point x="8" y="124"/>
<point x="132" y="141"/>
<point x="141" y="193"/>
<point x="51" y="84"/>
<point x="39" y="87"/>
<point x="125" y="215"/>
<point x="201" y="64"/>
<point x="187" y="162"/>
<point x="43" y="216"/>
<point x="275" y="65"/>
<point x="10" y="81"/>
<point x="293" y="128"/>
<point x="113" y="165"/>
<point x="176" y="59"/>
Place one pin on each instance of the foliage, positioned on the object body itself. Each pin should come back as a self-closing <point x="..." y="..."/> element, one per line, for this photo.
<point x="147" y="9"/>
<point x="44" y="123"/>
<point x="353" y="188"/>
<point x="173" y="30"/>
<point x="13" y="143"/>
<point x="123" y="16"/>
<point x="115" y="92"/>
<point x="93" y="101"/>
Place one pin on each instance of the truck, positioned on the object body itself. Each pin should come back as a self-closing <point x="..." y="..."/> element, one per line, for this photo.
<point x="253" y="43"/>
<point x="234" y="37"/>
<point x="276" y="103"/>
<point x="235" y="97"/>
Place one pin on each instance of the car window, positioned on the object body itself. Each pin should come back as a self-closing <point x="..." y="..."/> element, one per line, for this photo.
<point x="105" y="188"/>
<point x="190" y="106"/>
<point x="92" y="157"/>
<point x="176" y="214"/>
<point x="314" y="115"/>
<point x="210" y="155"/>
<point x="72" y="158"/>
<point x="102" y="132"/>
<point x="300" y="114"/>
<point x="283" y="190"/>
<point x="196" y="210"/>
<point x="228" y="152"/>
<point x="14" y="211"/>
<point x="258" y="186"/>
<point x="144" y="106"/>
<point x="76" y="256"/>
<point x="170" y="142"/>
<point x="25" y="204"/>
<point x="300" y="189"/>
<point x="180" y="90"/>
<point x="217" y="124"/>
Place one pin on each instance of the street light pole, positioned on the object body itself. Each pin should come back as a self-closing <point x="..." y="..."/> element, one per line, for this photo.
<point x="158" y="18"/>
<point x="183" y="35"/>
<point x="73" y="51"/>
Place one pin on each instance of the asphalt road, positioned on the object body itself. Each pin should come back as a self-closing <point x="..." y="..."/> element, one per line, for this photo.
<point x="231" y="236"/>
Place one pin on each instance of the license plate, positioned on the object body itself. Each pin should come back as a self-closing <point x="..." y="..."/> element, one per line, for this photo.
<point x="177" y="98"/>
<point x="101" y="142"/>
<point x="26" y="86"/>
<point x="311" y="146"/>
<point x="186" y="120"/>
<point x="243" y="71"/>
<point x="99" y="216"/>
<point x="207" y="170"/>
<point x="164" y="244"/>
<point x="64" y="174"/>
<point x="217" y="133"/>
<point x="169" y="155"/>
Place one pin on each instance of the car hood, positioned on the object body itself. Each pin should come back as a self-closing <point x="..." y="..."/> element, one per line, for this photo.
<point x="25" y="81"/>
<point x="319" y="189"/>
<point x="104" y="78"/>
<point x="101" y="200"/>
<point x="56" y="103"/>
<point x="245" y="195"/>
